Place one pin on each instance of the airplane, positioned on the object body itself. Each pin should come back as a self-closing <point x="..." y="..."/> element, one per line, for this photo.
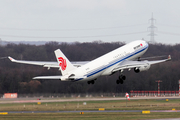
<point x="118" y="60"/>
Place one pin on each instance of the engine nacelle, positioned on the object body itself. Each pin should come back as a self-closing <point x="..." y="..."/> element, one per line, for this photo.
<point x="142" y="68"/>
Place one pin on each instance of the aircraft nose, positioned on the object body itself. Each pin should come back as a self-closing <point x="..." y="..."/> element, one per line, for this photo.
<point x="146" y="44"/>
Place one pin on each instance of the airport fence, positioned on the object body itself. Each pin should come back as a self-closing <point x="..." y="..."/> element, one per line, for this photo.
<point x="97" y="95"/>
<point x="154" y="93"/>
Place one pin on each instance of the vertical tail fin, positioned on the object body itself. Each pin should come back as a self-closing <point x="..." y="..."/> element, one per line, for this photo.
<point x="64" y="64"/>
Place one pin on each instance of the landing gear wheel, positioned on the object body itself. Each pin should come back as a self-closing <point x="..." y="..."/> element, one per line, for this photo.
<point x="91" y="82"/>
<point x="122" y="77"/>
<point x="121" y="81"/>
<point x="117" y="81"/>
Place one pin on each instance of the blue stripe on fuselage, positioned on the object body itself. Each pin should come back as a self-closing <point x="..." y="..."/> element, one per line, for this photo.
<point x="116" y="62"/>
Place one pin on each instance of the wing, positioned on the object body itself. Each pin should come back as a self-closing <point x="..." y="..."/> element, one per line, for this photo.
<point x="142" y="65"/>
<point x="47" y="64"/>
<point x="41" y="63"/>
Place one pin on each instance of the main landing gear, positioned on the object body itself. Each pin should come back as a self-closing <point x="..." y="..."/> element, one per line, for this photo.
<point x="91" y="82"/>
<point x="121" y="79"/>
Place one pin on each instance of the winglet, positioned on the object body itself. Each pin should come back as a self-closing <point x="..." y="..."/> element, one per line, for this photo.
<point x="169" y="57"/>
<point x="12" y="59"/>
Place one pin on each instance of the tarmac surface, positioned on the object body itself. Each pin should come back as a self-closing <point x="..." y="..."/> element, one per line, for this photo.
<point x="35" y="100"/>
<point x="93" y="111"/>
<point x="167" y="119"/>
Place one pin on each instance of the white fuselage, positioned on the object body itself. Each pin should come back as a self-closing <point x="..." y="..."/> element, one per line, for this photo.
<point x="105" y="64"/>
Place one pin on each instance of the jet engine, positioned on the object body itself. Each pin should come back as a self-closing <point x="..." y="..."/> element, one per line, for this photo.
<point x="142" y="68"/>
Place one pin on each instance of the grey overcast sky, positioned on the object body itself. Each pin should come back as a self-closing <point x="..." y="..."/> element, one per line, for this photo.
<point x="89" y="20"/>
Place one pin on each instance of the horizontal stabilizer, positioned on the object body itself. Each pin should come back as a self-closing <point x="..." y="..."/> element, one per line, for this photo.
<point x="62" y="78"/>
<point x="48" y="77"/>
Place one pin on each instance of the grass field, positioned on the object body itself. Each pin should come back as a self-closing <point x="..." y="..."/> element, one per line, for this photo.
<point x="92" y="105"/>
<point x="95" y="105"/>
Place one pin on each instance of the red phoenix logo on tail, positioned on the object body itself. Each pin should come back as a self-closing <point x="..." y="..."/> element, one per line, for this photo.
<point x="62" y="63"/>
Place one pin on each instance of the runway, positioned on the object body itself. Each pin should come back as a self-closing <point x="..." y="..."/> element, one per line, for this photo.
<point x="93" y="111"/>
<point x="34" y="100"/>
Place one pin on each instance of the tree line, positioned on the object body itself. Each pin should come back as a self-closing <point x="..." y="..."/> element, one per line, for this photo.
<point x="18" y="77"/>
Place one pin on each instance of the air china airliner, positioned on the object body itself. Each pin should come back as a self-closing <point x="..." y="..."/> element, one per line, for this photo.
<point x="125" y="57"/>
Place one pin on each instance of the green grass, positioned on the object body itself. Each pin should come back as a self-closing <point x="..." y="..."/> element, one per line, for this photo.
<point x="88" y="116"/>
<point x="92" y="105"/>
<point x="95" y="105"/>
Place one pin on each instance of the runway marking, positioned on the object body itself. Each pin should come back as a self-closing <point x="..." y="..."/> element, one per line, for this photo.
<point x="165" y="111"/>
<point x="95" y="111"/>
<point x="3" y="113"/>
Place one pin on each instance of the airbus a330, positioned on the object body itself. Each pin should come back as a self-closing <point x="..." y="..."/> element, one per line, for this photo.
<point x="125" y="57"/>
